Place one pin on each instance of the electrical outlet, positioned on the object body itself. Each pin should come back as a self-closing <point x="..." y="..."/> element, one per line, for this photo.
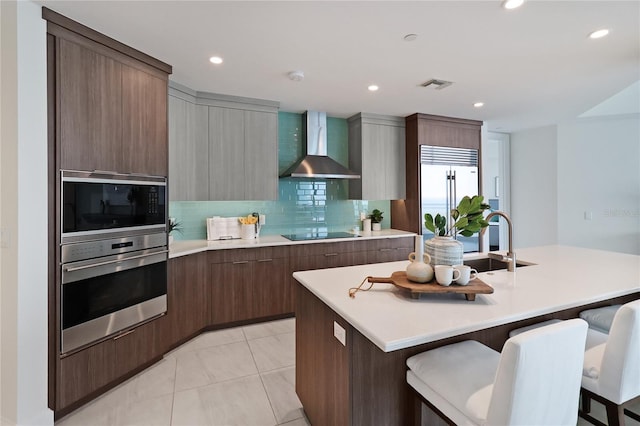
<point x="340" y="333"/>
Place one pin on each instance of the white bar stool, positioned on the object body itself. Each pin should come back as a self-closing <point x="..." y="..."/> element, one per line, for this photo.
<point x="600" y="319"/>
<point x="535" y="380"/>
<point x="611" y="373"/>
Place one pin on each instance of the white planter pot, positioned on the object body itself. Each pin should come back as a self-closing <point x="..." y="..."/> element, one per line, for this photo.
<point x="444" y="251"/>
<point x="376" y="226"/>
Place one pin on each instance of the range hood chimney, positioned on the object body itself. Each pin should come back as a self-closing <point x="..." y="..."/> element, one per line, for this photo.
<point x="316" y="163"/>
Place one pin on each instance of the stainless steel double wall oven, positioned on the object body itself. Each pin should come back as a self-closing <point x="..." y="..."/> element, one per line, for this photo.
<point x="113" y="254"/>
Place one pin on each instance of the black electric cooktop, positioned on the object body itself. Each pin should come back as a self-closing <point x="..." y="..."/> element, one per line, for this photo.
<point x="318" y="236"/>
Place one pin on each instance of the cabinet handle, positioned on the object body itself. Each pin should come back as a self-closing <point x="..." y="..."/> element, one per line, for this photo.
<point x="330" y="254"/>
<point x="120" y="336"/>
<point x="265" y="260"/>
<point x="240" y="262"/>
<point x="386" y="249"/>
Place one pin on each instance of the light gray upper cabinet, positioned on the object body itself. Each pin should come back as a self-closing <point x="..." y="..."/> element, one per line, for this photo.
<point x="188" y="149"/>
<point x="226" y="154"/>
<point x="261" y="155"/>
<point x="221" y="147"/>
<point x="243" y="154"/>
<point x="377" y="152"/>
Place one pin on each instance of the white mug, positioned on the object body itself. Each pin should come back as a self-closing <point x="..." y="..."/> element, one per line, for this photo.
<point x="467" y="273"/>
<point x="445" y="274"/>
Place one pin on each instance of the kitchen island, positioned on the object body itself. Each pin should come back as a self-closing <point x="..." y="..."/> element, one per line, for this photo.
<point x="362" y="381"/>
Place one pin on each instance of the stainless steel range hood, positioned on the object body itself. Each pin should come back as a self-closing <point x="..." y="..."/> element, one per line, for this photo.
<point x="316" y="163"/>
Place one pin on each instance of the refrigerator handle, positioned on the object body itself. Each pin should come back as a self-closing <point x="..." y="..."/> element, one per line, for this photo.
<point x="448" y="201"/>
<point x="455" y="198"/>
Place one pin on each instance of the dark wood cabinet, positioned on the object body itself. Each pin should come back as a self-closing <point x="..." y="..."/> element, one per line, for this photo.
<point x="423" y="129"/>
<point x="89" y="108"/>
<point x="231" y="291"/>
<point x="137" y="347"/>
<point x="248" y="284"/>
<point x="111" y="102"/>
<point x="390" y="249"/>
<point x="85" y="372"/>
<point x="100" y="366"/>
<point x="144" y="112"/>
<point x="273" y="293"/>
<point x="187" y="298"/>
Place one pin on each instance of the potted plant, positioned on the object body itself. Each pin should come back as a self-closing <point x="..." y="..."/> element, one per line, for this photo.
<point x="467" y="218"/>
<point x="174" y="225"/>
<point x="376" y="219"/>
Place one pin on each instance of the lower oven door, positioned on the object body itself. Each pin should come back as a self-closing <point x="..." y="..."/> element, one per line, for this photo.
<point x="103" y="296"/>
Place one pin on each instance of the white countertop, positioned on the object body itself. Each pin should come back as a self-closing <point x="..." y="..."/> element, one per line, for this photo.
<point x="563" y="277"/>
<point x="182" y="248"/>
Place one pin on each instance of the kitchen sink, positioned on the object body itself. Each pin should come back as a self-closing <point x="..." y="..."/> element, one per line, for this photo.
<point x="487" y="264"/>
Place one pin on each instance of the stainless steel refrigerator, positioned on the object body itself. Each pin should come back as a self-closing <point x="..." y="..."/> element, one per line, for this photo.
<point x="447" y="175"/>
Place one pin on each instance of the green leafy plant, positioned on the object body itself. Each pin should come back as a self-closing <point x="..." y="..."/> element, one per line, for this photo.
<point x="376" y="216"/>
<point x="174" y="225"/>
<point x="468" y="218"/>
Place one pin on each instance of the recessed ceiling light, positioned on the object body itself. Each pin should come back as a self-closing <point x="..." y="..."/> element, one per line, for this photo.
<point x="373" y="88"/>
<point x="512" y="4"/>
<point x="478" y="104"/>
<point x="215" y="60"/>
<point x="599" y="33"/>
<point x="410" y="37"/>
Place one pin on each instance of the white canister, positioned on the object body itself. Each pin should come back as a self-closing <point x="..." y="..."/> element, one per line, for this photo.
<point x="366" y="226"/>
<point x="248" y="232"/>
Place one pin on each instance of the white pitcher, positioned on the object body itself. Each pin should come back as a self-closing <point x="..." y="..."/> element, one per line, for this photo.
<point x="419" y="270"/>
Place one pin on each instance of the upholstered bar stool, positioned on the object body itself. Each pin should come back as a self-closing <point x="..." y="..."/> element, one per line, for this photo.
<point x="600" y="319"/>
<point x="535" y="380"/>
<point x="611" y="373"/>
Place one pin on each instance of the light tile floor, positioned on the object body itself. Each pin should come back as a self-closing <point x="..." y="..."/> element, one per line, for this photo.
<point x="241" y="376"/>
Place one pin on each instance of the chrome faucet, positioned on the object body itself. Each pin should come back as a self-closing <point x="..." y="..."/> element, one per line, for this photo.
<point x="510" y="258"/>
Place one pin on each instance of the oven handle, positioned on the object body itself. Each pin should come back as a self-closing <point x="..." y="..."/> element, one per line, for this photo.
<point x="109" y="262"/>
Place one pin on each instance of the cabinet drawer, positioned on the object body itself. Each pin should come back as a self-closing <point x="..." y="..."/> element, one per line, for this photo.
<point x="231" y="255"/>
<point x="392" y="243"/>
<point x="314" y="249"/>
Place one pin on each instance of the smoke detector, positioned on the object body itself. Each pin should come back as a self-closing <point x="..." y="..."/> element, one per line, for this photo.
<point x="436" y="84"/>
<point x="296" y="75"/>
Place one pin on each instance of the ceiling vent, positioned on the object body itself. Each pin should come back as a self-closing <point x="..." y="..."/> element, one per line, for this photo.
<point x="436" y="84"/>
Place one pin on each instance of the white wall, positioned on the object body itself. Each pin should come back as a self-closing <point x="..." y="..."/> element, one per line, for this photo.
<point x="534" y="187"/>
<point x="32" y="217"/>
<point x="578" y="183"/>
<point x="599" y="174"/>
<point x="8" y="213"/>
<point x="24" y="183"/>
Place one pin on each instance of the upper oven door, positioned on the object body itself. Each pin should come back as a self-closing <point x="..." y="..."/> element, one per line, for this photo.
<point x="100" y="205"/>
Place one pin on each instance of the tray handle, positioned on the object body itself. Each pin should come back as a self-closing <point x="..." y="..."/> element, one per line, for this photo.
<point x="371" y="281"/>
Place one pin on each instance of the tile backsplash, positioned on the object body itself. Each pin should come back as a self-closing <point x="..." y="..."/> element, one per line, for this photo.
<point x="303" y="205"/>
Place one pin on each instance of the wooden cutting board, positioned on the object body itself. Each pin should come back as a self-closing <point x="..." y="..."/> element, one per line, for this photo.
<point x="400" y="280"/>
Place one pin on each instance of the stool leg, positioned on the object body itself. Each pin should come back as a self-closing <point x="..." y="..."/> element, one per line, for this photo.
<point x="615" y="415"/>
<point x="586" y="403"/>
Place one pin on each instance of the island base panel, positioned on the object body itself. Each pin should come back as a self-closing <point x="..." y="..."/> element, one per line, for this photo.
<point x="322" y="362"/>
